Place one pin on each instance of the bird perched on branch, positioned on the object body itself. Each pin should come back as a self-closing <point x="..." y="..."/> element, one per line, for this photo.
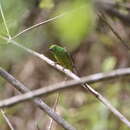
<point x="62" y="56"/>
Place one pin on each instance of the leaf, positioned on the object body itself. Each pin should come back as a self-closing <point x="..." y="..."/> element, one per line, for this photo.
<point x="109" y="63"/>
<point x="46" y="4"/>
<point x="77" y="22"/>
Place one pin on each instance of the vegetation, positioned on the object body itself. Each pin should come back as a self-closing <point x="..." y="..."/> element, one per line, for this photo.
<point x="95" y="33"/>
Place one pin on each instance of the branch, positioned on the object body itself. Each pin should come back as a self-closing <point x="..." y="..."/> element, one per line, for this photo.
<point x="43" y="22"/>
<point x="63" y="85"/>
<point x="19" y="86"/>
<point x="37" y="25"/>
<point x="123" y="42"/>
<point x="6" y="119"/>
<point x="73" y="76"/>
<point x="109" y="7"/>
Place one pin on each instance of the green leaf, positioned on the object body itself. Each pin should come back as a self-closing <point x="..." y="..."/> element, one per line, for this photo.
<point x="109" y="63"/>
<point x="46" y="4"/>
<point x="77" y="22"/>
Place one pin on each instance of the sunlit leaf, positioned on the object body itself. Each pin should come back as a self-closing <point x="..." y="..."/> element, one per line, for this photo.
<point x="77" y="22"/>
<point x="46" y="4"/>
<point x="109" y="63"/>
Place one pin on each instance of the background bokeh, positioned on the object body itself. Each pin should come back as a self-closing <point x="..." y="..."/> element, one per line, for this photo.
<point x="94" y="48"/>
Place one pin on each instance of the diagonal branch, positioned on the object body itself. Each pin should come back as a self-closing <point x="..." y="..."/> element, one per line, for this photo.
<point x="6" y="119"/>
<point x="61" y="86"/>
<point x="123" y="42"/>
<point x="37" y="25"/>
<point x="110" y="8"/>
<point x="44" y="22"/>
<point x="22" y="88"/>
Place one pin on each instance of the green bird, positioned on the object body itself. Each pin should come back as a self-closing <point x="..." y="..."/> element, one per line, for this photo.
<point x="62" y="56"/>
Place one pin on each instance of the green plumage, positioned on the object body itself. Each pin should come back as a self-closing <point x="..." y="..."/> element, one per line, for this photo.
<point x="61" y="56"/>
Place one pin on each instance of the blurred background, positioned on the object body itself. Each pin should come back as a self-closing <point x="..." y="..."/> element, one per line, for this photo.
<point x="81" y="29"/>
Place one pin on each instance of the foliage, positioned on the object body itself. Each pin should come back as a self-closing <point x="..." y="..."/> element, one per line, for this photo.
<point x="46" y="4"/>
<point x="77" y="22"/>
<point x="94" y="48"/>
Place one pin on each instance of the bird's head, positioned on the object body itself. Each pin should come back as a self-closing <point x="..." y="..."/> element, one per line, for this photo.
<point x="53" y="48"/>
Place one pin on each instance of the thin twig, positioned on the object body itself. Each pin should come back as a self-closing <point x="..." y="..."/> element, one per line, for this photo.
<point x="5" y="24"/>
<point x="37" y="126"/>
<point x="37" y="25"/>
<point x="114" y="31"/>
<point x="6" y="119"/>
<point x="73" y="76"/>
<point x="40" y="103"/>
<point x="109" y="7"/>
<point x="46" y="21"/>
<point x="50" y="124"/>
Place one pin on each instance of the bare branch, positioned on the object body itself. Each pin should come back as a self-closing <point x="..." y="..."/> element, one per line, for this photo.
<point x="109" y="7"/>
<point x="50" y="123"/>
<point x="37" y="25"/>
<point x="63" y="85"/>
<point x="19" y="86"/>
<point x="73" y="76"/>
<point x="44" y="22"/>
<point x="6" y="119"/>
<point x="124" y="43"/>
